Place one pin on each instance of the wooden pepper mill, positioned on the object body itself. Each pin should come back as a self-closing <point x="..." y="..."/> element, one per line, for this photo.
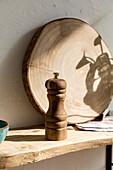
<point x="56" y="117"/>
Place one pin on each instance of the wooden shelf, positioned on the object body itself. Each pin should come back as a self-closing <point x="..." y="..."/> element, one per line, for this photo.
<point x="23" y="146"/>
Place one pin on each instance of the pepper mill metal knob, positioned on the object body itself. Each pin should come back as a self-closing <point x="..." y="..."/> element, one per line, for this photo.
<point x="56" y="117"/>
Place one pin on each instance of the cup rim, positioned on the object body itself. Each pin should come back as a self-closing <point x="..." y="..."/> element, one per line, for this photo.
<point x="7" y="124"/>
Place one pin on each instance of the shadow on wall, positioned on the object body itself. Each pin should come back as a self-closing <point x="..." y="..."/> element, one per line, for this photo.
<point x="15" y="106"/>
<point x="99" y="78"/>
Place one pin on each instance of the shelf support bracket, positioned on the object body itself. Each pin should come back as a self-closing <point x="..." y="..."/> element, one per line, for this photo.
<point x="109" y="163"/>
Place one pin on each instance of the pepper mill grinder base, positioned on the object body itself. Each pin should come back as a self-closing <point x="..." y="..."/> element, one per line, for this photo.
<point x="56" y="134"/>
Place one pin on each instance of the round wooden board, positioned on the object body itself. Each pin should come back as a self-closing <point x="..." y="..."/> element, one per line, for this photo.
<point x="75" y="50"/>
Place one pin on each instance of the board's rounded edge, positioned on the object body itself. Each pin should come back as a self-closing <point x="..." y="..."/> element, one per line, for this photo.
<point x="25" y="72"/>
<point x="96" y="118"/>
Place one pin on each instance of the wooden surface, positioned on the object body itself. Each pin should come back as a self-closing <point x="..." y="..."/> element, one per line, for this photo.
<point x="56" y="116"/>
<point x="75" y="50"/>
<point x="29" y="145"/>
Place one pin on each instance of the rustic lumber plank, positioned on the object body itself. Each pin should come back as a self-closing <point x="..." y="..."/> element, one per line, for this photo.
<point x="29" y="145"/>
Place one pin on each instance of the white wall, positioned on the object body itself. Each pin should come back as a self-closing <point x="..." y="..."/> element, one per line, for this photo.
<point x="19" y="19"/>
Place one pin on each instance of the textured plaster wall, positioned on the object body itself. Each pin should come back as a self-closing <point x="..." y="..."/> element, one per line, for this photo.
<point x="19" y="19"/>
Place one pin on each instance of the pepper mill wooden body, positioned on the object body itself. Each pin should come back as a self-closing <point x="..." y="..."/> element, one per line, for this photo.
<point x="56" y="117"/>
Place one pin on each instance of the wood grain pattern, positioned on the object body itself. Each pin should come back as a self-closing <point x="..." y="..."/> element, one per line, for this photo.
<point x="75" y="50"/>
<point x="29" y="145"/>
<point x="25" y="71"/>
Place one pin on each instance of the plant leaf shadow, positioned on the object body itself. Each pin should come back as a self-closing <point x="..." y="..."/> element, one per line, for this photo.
<point x="99" y="78"/>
